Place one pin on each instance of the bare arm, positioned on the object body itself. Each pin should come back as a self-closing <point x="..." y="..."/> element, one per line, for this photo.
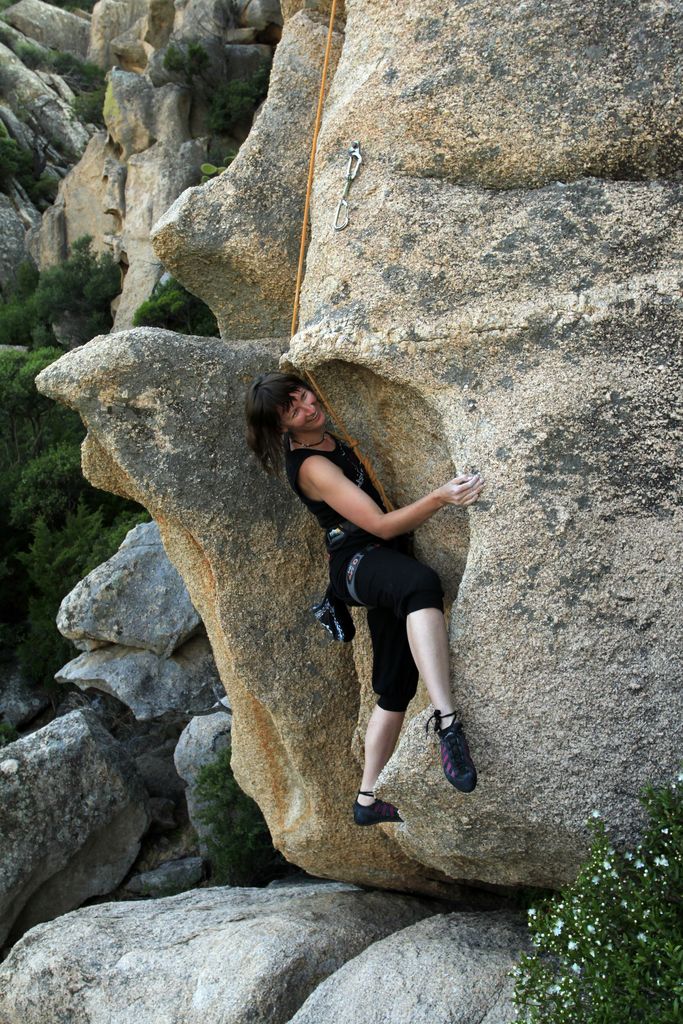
<point x="321" y="480"/>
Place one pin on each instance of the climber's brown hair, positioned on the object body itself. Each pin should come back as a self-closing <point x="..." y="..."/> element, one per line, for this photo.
<point x="269" y="395"/>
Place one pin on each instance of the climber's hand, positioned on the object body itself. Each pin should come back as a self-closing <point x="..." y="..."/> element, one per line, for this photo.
<point x="462" y="490"/>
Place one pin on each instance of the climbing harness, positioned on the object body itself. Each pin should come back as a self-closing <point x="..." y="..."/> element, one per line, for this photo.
<point x="352" y="168"/>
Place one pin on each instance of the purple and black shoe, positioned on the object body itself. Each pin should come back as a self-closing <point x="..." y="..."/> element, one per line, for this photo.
<point x="376" y="813"/>
<point x="456" y="761"/>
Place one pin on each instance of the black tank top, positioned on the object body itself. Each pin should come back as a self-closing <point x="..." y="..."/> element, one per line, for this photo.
<point x="350" y="465"/>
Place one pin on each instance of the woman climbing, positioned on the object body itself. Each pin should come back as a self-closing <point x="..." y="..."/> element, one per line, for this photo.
<point x="368" y="567"/>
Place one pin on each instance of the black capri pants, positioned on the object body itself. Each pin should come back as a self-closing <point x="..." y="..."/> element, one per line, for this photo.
<point x="392" y="585"/>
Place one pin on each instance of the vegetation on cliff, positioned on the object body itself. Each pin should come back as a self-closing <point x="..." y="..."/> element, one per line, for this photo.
<point x="240" y="848"/>
<point x="173" y="307"/>
<point x="610" y="947"/>
<point x="78" y="291"/>
<point x="55" y="527"/>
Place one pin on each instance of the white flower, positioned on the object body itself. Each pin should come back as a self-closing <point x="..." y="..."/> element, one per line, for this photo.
<point x="595" y="879"/>
<point x="552" y="990"/>
<point x="642" y="937"/>
<point x="571" y="944"/>
<point x="606" y="865"/>
<point x="595" y="814"/>
<point x="661" y="862"/>
<point x="639" y="863"/>
<point x="576" y="969"/>
<point x="590" y="928"/>
<point x="624" y="904"/>
<point x="628" y="855"/>
<point x="532" y="912"/>
<point x="558" y="926"/>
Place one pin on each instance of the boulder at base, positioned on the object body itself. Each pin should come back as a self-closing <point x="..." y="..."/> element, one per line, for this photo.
<point x="449" y="969"/>
<point x="72" y="811"/>
<point x="228" y="955"/>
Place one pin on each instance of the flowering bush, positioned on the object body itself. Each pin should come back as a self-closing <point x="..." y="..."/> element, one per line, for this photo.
<point x="609" y="949"/>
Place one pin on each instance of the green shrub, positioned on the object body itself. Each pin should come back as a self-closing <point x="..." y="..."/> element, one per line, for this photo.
<point x="240" y="848"/>
<point x="31" y="55"/>
<point x="81" y="287"/>
<point x="55" y="562"/>
<point x="41" y="481"/>
<point x="610" y="947"/>
<point x="15" y="162"/>
<point x="80" y="75"/>
<point x="187" y="61"/>
<point x="89" y="106"/>
<point x="234" y="103"/>
<point x="172" y="306"/>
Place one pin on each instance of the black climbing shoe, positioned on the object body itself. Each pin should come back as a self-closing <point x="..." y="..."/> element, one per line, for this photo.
<point x="456" y="761"/>
<point x="374" y="813"/>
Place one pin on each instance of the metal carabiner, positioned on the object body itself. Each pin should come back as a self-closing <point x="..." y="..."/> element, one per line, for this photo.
<point x="337" y="226"/>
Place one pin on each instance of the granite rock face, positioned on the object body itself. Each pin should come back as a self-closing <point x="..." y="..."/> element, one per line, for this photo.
<point x="245" y="224"/>
<point x="506" y="296"/>
<point x="72" y="812"/>
<point x="447" y="969"/>
<point x="51" y="26"/>
<point x="241" y="956"/>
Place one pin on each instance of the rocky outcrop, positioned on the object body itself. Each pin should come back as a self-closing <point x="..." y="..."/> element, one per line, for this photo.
<point x="73" y="812"/>
<point x="45" y="113"/>
<point x="234" y="955"/>
<point x="246" y="224"/>
<point x="447" y="969"/>
<point x="111" y="18"/>
<point x="133" y="617"/>
<point x="51" y="26"/>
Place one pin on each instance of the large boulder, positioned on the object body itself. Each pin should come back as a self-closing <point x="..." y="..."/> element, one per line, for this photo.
<point x="447" y="969"/>
<point x="20" y="700"/>
<point x="185" y="681"/>
<point x="245" y="223"/>
<point x="241" y="956"/>
<point x="73" y="812"/>
<point x="136" y="598"/>
<point x="50" y="25"/>
<point x="530" y="332"/>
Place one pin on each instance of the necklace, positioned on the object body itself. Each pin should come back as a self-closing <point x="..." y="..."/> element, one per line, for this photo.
<point x="312" y="443"/>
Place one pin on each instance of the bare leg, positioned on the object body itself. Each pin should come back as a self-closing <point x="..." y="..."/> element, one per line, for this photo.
<point x="380" y="740"/>
<point x="428" y="641"/>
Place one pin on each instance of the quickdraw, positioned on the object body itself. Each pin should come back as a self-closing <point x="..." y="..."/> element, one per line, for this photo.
<point x="352" y="168"/>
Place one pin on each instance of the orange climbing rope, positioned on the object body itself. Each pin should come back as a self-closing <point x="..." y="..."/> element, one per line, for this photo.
<point x="300" y="269"/>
